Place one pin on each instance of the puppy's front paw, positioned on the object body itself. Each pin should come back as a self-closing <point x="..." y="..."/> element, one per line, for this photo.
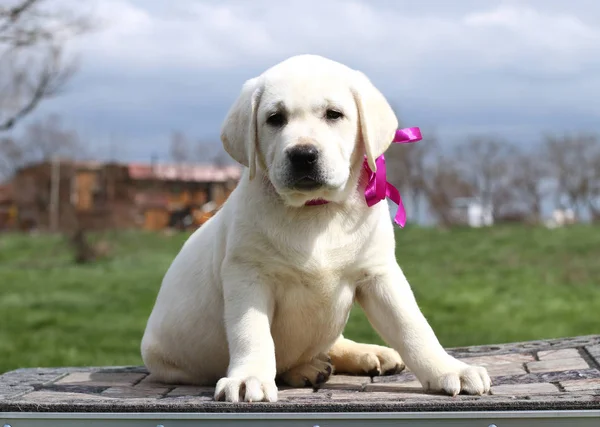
<point x="249" y="389"/>
<point x="456" y="377"/>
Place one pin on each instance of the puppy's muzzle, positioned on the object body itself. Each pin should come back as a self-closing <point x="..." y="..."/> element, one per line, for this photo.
<point x="304" y="167"/>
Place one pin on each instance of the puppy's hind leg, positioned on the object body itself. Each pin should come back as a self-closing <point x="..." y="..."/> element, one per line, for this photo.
<point x="164" y="372"/>
<point x="312" y="374"/>
<point x="354" y="358"/>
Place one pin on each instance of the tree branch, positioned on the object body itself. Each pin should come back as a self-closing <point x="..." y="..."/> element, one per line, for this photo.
<point x="32" y="65"/>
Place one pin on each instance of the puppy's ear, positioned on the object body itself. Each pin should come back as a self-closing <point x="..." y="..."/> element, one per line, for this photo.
<point x="377" y="120"/>
<point x="239" y="131"/>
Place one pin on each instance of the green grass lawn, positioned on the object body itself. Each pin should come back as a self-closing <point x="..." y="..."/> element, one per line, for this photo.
<point x="474" y="285"/>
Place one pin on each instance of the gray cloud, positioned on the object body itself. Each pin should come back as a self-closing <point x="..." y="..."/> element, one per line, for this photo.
<point x="505" y="67"/>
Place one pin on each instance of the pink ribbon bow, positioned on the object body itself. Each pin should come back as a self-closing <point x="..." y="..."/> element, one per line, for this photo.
<point x="378" y="188"/>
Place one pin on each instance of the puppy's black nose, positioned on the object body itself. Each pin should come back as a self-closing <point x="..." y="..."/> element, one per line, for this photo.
<point x="303" y="157"/>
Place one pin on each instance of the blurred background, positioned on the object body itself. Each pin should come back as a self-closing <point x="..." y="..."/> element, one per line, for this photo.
<point x="110" y="112"/>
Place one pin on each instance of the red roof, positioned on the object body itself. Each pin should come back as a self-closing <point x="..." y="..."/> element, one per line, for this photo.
<point x="185" y="172"/>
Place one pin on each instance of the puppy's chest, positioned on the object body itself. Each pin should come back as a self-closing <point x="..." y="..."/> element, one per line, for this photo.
<point x="319" y="269"/>
<point x="314" y="284"/>
<point x="318" y="278"/>
<point x="317" y="281"/>
<point x="325" y="257"/>
<point x="317" y="303"/>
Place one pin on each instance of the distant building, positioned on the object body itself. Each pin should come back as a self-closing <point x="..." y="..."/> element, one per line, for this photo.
<point x="470" y="211"/>
<point x="7" y="207"/>
<point x="561" y="217"/>
<point x="64" y="193"/>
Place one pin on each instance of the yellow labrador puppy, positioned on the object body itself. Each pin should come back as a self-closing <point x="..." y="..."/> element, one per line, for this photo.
<point x="263" y="289"/>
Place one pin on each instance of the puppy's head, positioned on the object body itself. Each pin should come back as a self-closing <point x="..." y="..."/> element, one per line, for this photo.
<point x="307" y="123"/>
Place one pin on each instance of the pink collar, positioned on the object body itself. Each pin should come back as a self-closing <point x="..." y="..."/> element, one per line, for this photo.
<point x="378" y="188"/>
<point x="316" y="202"/>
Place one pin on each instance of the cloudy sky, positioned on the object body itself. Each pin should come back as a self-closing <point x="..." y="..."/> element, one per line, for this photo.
<point x="457" y="68"/>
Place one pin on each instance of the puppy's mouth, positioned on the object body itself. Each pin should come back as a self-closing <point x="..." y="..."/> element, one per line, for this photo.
<point x="307" y="183"/>
<point x="298" y="187"/>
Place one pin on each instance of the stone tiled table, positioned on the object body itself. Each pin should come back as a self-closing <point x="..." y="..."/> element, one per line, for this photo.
<point x="551" y="375"/>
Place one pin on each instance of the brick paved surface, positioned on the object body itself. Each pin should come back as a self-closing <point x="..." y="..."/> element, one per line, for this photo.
<point x="552" y="374"/>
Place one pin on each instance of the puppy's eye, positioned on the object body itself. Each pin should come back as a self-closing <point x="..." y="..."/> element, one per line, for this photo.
<point x="276" y="120"/>
<point x="333" y="115"/>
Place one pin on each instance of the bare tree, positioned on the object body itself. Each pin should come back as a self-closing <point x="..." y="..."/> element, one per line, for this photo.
<point x="529" y="183"/>
<point x="179" y="148"/>
<point x="42" y="140"/>
<point x="11" y="155"/>
<point x="486" y="164"/>
<point x="594" y="199"/>
<point x="204" y="152"/>
<point x="33" y="64"/>
<point x="221" y="158"/>
<point x="573" y="164"/>
<point x="442" y="182"/>
<point x="47" y="137"/>
<point x="212" y="153"/>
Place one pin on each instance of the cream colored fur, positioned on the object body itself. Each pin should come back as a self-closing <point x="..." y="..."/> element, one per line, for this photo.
<point x="265" y="287"/>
